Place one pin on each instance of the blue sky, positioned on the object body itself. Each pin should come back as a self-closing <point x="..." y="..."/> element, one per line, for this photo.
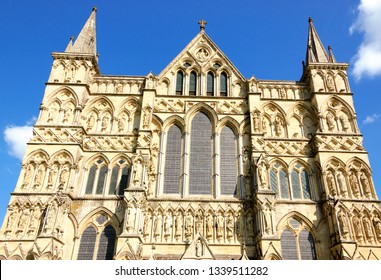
<point x="262" y="38"/>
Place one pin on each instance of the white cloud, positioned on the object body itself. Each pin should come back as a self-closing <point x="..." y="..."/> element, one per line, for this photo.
<point x="367" y="61"/>
<point x="16" y="137"/>
<point x="371" y="119"/>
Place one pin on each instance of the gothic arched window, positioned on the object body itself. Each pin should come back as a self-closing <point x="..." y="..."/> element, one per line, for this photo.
<point x="223" y="84"/>
<point x="96" y="178"/>
<point x="279" y="181"/>
<point x="119" y="178"/>
<point x="300" y="183"/>
<point x="192" y="83"/>
<point x="87" y="244"/>
<point x="172" y="170"/>
<point x="228" y="174"/>
<point x="179" y="83"/>
<point x="210" y="84"/>
<point x="100" y="246"/>
<point x="200" y="171"/>
<point x="298" y="244"/>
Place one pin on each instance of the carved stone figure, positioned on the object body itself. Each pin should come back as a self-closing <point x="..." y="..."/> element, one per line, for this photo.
<point x="28" y="176"/>
<point x="146" y="117"/>
<point x="250" y="226"/>
<point x="220" y="226"/>
<point x="64" y="176"/>
<point x="90" y="122"/>
<point x="343" y="224"/>
<point x="246" y="163"/>
<point x="157" y="225"/>
<point x="35" y="220"/>
<point x="147" y="219"/>
<point x="168" y="224"/>
<point x="137" y="172"/>
<point x="262" y="174"/>
<point x="342" y="184"/>
<point x="278" y="126"/>
<point x="202" y="54"/>
<point x="199" y="223"/>
<point x="377" y="226"/>
<point x="23" y="221"/>
<point x="344" y="122"/>
<point x="330" y="122"/>
<point x="354" y="184"/>
<point x="330" y="83"/>
<point x="11" y="219"/>
<point x="230" y="226"/>
<point x="198" y="248"/>
<point x="68" y="114"/>
<point x="154" y="157"/>
<point x="357" y="227"/>
<point x="264" y="125"/>
<point x="365" y="185"/>
<point x="209" y="226"/>
<point x="105" y="123"/>
<point x="267" y="218"/>
<point x="121" y="125"/>
<point x="282" y="93"/>
<point x="178" y="224"/>
<point x="39" y="177"/>
<point x="52" y="114"/>
<point x="331" y="183"/>
<point x="256" y="122"/>
<point x="52" y="176"/>
<point x="189" y="225"/>
<point x="367" y="227"/>
<point x="119" y="88"/>
<point x="50" y="218"/>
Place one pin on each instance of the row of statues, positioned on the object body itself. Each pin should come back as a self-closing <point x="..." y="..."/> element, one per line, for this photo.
<point x="363" y="229"/>
<point x="179" y="226"/>
<point x="337" y="123"/>
<point x="40" y="177"/>
<point x="355" y="185"/>
<point x="30" y="220"/>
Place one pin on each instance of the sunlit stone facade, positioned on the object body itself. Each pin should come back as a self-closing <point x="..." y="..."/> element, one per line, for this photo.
<point x="196" y="162"/>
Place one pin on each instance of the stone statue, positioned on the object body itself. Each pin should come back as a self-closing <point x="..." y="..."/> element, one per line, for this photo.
<point x="199" y="223"/>
<point x="168" y="224"/>
<point x="355" y="184"/>
<point x="146" y="117"/>
<point x="365" y="185"/>
<point x="256" y="121"/>
<point x="330" y="83"/>
<point x="52" y="176"/>
<point x="67" y="115"/>
<point x="220" y="226"/>
<point x="105" y="123"/>
<point x="157" y="225"/>
<point x="250" y="226"/>
<point x="178" y="224"/>
<point x="35" y="220"/>
<point x="230" y="226"/>
<point x="367" y="227"/>
<point x="11" y="219"/>
<point x="246" y="163"/>
<point x="267" y="218"/>
<point x="23" y="221"/>
<point x="119" y="88"/>
<point x="198" y="248"/>
<point x="121" y="125"/>
<point x="52" y="114"/>
<point x="64" y="176"/>
<point x="344" y="122"/>
<point x="331" y="183"/>
<point x="50" y="218"/>
<point x="262" y="174"/>
<point x="39" y="176"/>
<point x="282" y="93"/>
<point x="209" y="226"/>
<point x="342" y="184"/>
<point x="90" y="122"/>
<point x="377" y="226"/>
<point x="264" y="125"/>
<point x="330" y="122"/>
<point x="357" y="227"/>
<point x="137" y="172"/>
<point x="278" y="126"/>
<point x="154" y="156"/>
<point x="147" y="219"/>
<point x="28" y="176"/>
<point x="189" y="225"/>
<point x="343" y="224"/>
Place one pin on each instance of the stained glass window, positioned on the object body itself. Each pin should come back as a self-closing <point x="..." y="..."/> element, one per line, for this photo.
<point x="228" y="181"/>
<point x="172" y="170"/>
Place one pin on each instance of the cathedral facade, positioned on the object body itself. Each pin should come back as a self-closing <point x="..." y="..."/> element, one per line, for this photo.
<point x="197" y="162"/>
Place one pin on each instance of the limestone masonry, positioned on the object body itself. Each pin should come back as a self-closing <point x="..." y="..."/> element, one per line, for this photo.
<point x="197" y="162"/>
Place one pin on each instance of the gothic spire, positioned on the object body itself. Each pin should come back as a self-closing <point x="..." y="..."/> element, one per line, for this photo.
<point x="86" y="40"/>
<point x="315" y="48"/>
<point x="331" y="57"/>
<point x="69" y="47"/>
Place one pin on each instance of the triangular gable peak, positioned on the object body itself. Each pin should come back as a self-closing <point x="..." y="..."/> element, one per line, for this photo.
<point x="201" y="55"/>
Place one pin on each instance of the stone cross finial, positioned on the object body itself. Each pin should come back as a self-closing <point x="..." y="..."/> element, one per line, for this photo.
<point x="202" y="24"/>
